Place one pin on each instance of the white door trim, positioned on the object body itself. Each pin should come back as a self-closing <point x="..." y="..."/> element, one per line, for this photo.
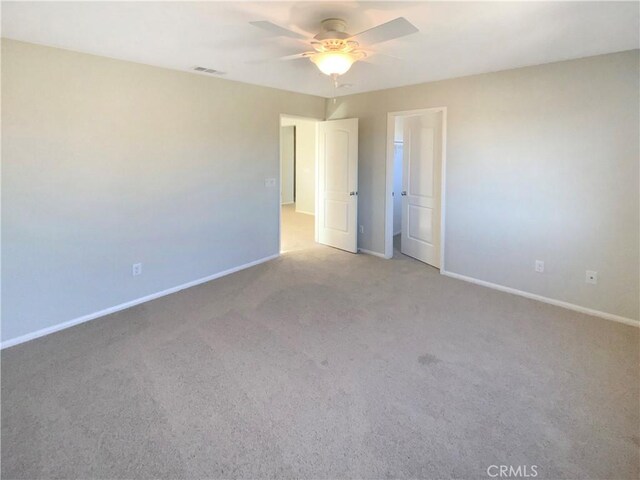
<point x="388" y="220"/>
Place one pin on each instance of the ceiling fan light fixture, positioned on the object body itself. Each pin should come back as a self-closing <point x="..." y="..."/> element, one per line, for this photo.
<point x="334" y="63"/>
<point x="336" y="49"/>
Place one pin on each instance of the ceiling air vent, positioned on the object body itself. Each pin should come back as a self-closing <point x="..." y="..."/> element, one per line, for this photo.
<point x="210" y="71"/>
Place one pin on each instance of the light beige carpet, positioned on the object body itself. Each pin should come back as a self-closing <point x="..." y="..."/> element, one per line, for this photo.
<point x="323" y="364"/>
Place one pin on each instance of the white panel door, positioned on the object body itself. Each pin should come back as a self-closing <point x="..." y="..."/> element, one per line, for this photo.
<point x="338" y="184"/>
<point x="422" y="173"/>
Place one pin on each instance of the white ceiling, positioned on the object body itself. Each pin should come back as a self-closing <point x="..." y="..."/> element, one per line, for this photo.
<point x="455" y="38"/>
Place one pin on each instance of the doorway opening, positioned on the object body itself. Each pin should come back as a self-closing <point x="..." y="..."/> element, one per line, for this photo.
<point x="415" y="185"/>
<point x="298" y="152"/>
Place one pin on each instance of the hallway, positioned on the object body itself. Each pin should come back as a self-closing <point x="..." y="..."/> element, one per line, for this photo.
<point x="297" y="229"/>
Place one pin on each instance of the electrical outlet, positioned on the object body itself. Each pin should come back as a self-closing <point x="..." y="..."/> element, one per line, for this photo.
<point x="361" y="229"/>
<point x="592" y="277"/>
<point x="136" y="269"/>
<point x="539" y="266"/>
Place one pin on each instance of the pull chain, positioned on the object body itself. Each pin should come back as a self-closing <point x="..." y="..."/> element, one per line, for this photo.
<point x="335" y="86"/>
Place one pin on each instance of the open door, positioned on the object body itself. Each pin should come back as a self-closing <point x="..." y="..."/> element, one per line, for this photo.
<point x="338" y="184"/>
<point x="422" y="172"/>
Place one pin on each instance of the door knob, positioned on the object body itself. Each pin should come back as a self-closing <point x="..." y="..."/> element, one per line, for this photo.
<point x="351" y="194"/>
<point x="404" y="194"/>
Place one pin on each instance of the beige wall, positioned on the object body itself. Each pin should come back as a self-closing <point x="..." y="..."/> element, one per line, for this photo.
<point x="542" y="163"/>
<point x="106" y="163"/>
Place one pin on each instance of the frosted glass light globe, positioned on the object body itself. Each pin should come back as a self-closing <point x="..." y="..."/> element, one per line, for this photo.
<point x="333" y="63"/>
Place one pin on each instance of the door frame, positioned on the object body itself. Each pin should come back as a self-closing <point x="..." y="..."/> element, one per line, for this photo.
<point x="388" y="219"/>
<point x="279" y="173"/>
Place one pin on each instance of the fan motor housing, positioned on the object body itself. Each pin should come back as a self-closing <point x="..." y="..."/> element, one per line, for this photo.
<point x="333" y="29"/>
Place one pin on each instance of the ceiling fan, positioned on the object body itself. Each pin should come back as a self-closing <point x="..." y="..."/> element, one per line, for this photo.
<point x="334" y="49"/>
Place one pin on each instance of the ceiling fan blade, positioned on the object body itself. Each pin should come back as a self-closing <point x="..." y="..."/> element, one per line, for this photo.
<point x="397" y="28"/>
<point x="277" y="29"/>
<point x="382" y="58"/>
<point x="295" y="56"/>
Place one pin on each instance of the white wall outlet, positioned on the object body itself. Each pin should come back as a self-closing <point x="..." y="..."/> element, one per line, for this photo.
<point x="270" y="182"/>
<point x="361" y="229"/>
<point x="136" y="269"/>
<point x="592" y="277"/>
<point x="539" y="266"/>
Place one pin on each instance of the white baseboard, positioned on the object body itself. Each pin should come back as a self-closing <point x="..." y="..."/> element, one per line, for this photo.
<point x="306" y="213"/>
<point x="371" y="252"/>
<point x="540" y="298"/>
<point x="107" y="311"/>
